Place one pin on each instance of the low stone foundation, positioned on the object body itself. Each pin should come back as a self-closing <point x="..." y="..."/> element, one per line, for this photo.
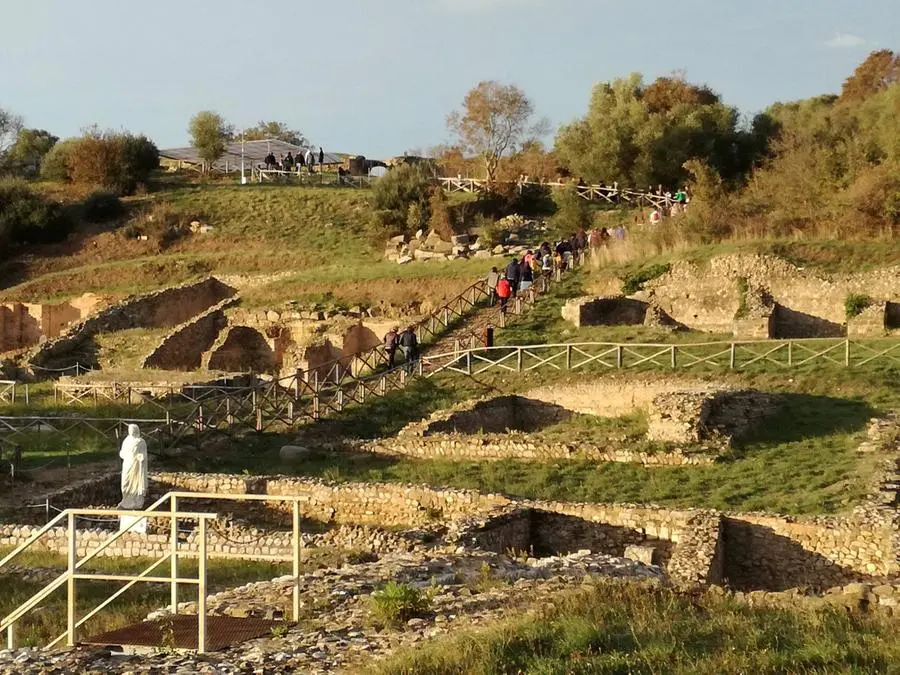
<point x="497" y="447"/>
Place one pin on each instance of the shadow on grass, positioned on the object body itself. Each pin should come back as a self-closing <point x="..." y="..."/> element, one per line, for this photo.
<point x="806" y="416"/>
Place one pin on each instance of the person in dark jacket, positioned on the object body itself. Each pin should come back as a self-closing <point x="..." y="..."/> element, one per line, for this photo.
<point x="527" y="278"/>
<point x="409" y="343"/>
<point x="391" y="342"/>
<point x="514" y="275"/>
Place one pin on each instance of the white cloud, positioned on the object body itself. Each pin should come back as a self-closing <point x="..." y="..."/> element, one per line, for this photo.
<point x="846" y="41"/>
<point x="485" y="6"/>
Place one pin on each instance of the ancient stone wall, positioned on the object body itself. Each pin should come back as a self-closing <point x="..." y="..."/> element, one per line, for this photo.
<point x="25" y="324"/>
<point x="708" y="296"/>
<point x="162" y="309"/>
<point x="610" y="311"/>
<point x="183" y="348"/>
<point x="776" y="553"/>
<point x="496" y="447"/>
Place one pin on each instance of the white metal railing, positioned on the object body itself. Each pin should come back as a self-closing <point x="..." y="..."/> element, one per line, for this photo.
<point x="157" y="510"/>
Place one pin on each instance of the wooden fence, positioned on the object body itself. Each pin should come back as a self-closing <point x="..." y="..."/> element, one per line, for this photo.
<point x="601" y="356"/>
<point x="611" y="195"/>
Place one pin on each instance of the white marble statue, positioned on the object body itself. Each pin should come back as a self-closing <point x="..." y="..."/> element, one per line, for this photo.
<point x="134" y="479"/>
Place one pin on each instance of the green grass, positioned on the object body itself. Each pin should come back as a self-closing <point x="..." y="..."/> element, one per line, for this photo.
<point x="615" y="628"/>
<point x="802" y="460"/>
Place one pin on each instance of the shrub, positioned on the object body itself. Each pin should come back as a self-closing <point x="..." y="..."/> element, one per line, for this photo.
<point x="116" y="161"/>
<point x="439" y="218"/>
<point x="635" y="282"/>
<point x="28" y="217"/>
<point x="55" y="165"/>
<point x="855" y="304"/>
<point x="101" y="206"/>
<point x="396" y="192"/>
<point x="573" y="213"/>
<point x="395" y="603"/>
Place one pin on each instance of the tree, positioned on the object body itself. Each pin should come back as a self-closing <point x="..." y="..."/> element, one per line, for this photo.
<point x="276" y="130"/>
<point x="640" y="136"/>
<point x="10" y="125"/>
<point x="209" y="135"/>
<point x="876" y="73"/>
<point x="55" y="164"/>
<point x="495" y="119"/>
<point x="25" y="155"/>
<point x="27" y="217"/>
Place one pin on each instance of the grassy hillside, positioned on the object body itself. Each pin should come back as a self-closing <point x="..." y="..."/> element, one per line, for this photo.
<point x="318" y="240"/>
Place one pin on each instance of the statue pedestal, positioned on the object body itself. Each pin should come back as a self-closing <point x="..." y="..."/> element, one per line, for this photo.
<point x="133" y="524"/>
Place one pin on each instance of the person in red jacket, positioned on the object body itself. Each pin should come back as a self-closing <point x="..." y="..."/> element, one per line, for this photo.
<point x="504" y="290"/>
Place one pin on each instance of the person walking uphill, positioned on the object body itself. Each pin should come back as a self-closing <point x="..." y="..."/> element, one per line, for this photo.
<point x="409" y="343"/>
<point x="513" y="275"/>
<point x="391" y="342"/>
<point x="492" y="278"/>
<point x="504" y="290"/>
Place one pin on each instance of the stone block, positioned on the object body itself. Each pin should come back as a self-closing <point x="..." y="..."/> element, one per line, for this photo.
<point x="644" y="554"/>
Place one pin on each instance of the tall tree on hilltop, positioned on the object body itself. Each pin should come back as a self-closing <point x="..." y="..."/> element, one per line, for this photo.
<point x="275" y="130"/>
<point x="209" y="135"/>
<point x="495" y="120"/>
<point x="10" y="125"/>
<point x="25" y="155"/>
<point x="879" y="71"/>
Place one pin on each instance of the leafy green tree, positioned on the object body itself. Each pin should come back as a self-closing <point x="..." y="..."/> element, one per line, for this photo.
<point x="640" y="136"/>
<point x="55" y="164"/>
<point x="28" y="217"/>
<point x="24" y="156"/>
<point x="209" y="135"/>
<point x="275" y="130"/>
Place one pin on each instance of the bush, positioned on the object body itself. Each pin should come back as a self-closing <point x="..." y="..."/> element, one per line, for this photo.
<point x="573" y="213"/>
<point x="55" y="165"/>
<point x="27" y="217"/>
<point x="855" y="304"/>
<point x="635" y="282"/>
<point x="396" y="192"/>
<point x="101" y="206"/>
<point x="396" y="603"/>
<point x="116" y="161"/>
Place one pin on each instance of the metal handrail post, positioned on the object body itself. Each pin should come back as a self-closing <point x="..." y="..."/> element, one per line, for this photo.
<point x="201" y="591"/>
<point x="296" y="554"/>
<point x="70" y="581"/>
<point x="173" y="566"/>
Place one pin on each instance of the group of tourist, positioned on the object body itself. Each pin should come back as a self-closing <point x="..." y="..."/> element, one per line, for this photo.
<point x="407" y="342"/>
<point x="290" y="162"/>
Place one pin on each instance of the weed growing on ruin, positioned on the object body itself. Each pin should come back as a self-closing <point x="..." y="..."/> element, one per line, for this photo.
<point x="742" y="288"/>
<point x="855" y="304"/>
<point x="395" y="603"/>
<point x="635" y="282"/>
<point x="279" y="631"/>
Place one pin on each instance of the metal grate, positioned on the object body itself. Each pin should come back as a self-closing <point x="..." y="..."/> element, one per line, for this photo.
<point x="180" y="632"/>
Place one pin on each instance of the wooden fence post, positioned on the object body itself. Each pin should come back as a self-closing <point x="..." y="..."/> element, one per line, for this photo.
<point x="518" y="359"/>
<point x="731" y="356"/>
<point x="568" y="357"/>
<point x="619" y="357"/>
<point x="847" y="352"/>
<point x="674" y="362"/>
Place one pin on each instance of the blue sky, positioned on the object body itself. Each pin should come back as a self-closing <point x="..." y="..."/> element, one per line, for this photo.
<point x="378" y="77"/>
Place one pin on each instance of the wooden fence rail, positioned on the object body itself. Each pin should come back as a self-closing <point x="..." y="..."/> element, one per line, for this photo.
<point x="600" y="356"/>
